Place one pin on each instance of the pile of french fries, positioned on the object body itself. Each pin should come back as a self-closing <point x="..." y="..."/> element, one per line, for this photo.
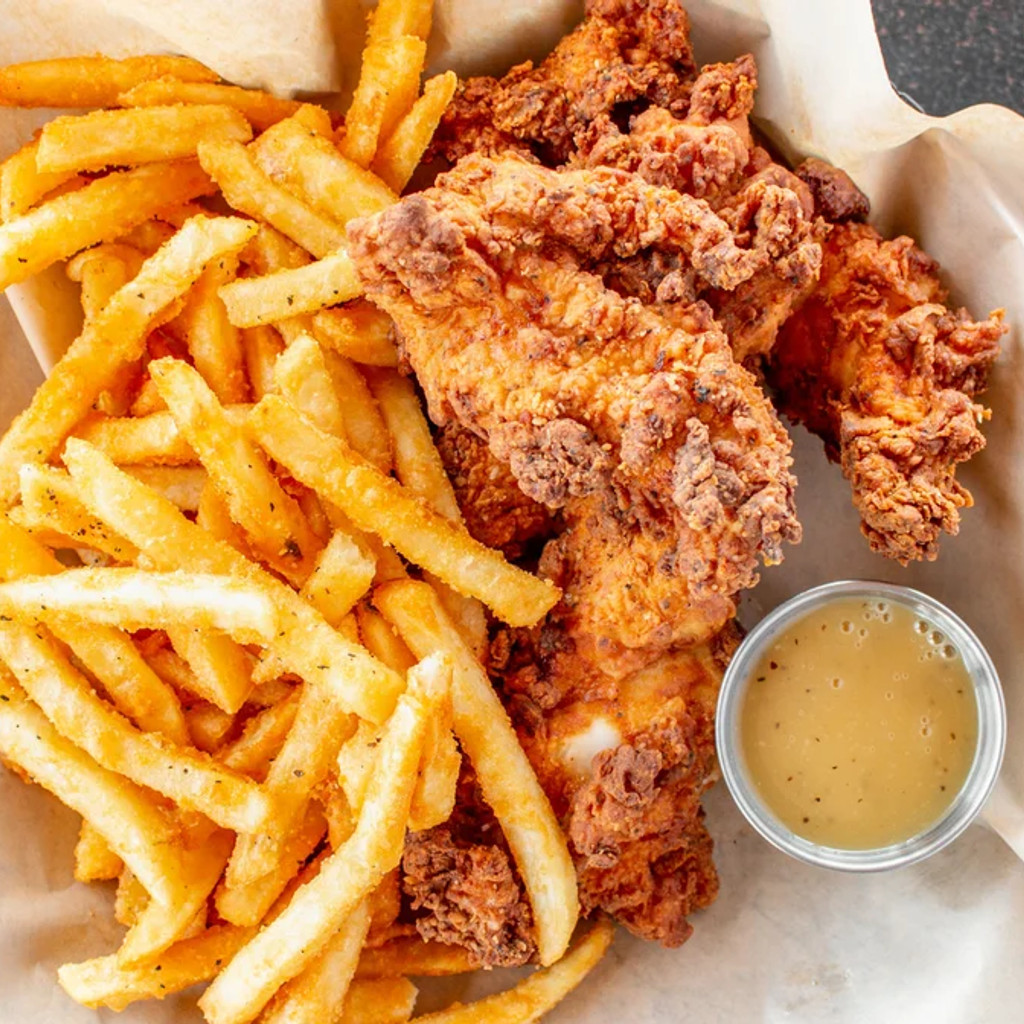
<point x="240" y="618"/>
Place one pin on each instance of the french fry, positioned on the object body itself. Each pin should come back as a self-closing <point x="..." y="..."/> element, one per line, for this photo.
<point x="359" y="331"/>
<point x="393" y="18"/>
<point x="89" y="81"/>
<point x="221" y="671"/>
<point x="182" y="485"/>
<point x="148" y="236"/>
<point x="213" y="341"/>
<point x="309" y="647"/>
<point x="261" y="347"/>
<point x="309" y="164"/>
<point x="116" y="337"/>
<point x="131" y="899"/>
<point x="389" y="82"/>
<point x="23" y="184"/>
<point x="466" y="612"/>
<point x="365" y="429"/>
<point x="433" y="800"/>
<point x="321" y="726"/>
<point x="94" y="859"/>
<point x="251" y="301"/>
<point x="378" y="504"/>
<point x="272" y="520"/>
<point x="342" y="574"/>
<point x="417" y="462"/>
<point x="100" y="212"/>
<point x="122" y="813"/>
<point x="379" y="1001"/>
<point x="208" y="725"/>
<point x="102" y="270"/>
<point x="186" y="776"/>
<point x="261" y="739"/>
<point x="250" y="190"/>
<point x="213" y="516"/>
<point x="405" y="956"/>
<point x="506" y="777"/>
<point x="401" y="152"/>
<point x="117" y="138"/>
<point x="107" y="653"/>
<point x="134" y="599"/>
<point x="540" y="992"/>
<point x="248" y="903"/>
<point x="270" y="250"/>
<point x="260" y="109"/>
<point x="356" y="760"/>
<point x="382" y="641"/>
<point x="160" y="925"/>
<point x="284" y="947"/>
<point x="318" y="993"/>
<point x="104" y="982"/>
<point x="302" y="378"/>
<point x="48" y="501"/>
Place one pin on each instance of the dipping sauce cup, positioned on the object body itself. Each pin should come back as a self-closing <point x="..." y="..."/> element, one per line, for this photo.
<point x="830" y="724"/>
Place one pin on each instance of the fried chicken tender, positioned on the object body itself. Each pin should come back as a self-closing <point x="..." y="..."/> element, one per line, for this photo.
<point x="666" y="459"/>
<point x="625" y="55"/>
<point x="877" y="365"/>
<point x="625" y="767"/>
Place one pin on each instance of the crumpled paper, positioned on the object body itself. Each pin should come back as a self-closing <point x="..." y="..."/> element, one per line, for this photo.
<point x="935" y="943"/>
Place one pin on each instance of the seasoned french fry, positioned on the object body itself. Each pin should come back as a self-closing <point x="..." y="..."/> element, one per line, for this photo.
<point x="321" y="726"/>
<point x="356" y="760"/>
<point x="393" y="18"/>
<point x="308" y="163"/>
<point x="317" y="994"/>
<point x="23" y="184"/>
<point x="148" y="236"/>
<point x="270" y="251"/>
<point x="359" y="331"/>
<point x="532" y="998"/>
<point x="221" y="671"/>
<point x="403" y="956"/>
<point x="342" y="574"/>
<point x="250" y="190"/>
<point x="271" y="519"/>
<point x="467" y="613"/>
<point x="506" y="777"/>
<point x="100" y="212"/>
<point x="309" y="647"/>
<point x="365" y="429"/>
<point x="382" y="641"/>
<point x="190" y="778"/>
<point x="117" y="138"/>
<point x="251" y="301"/>
<point x="379" y="1001"/>
<point x="104" y="982"/>
<point x="433" y="800"/>
<point x="182" y="485"/>
<point x="284" y="947"/>
<point x="249" y="903"/>
<point x="153" y="440"/>
<point x="302" y="378"/>
<point x="122" y="813"/>
<point x="134" y="599"/>
<point x="213" y="341"/>
<point x="131" y="899"/>
<point x="160" y="925"/>
<point x="117" y="336"/>
<point x="261" y="347"/>
<point x="214" y="518"/>
<point x="417" y="462"/>
<point x="261" y="739"/>
<point x="102" y="270"/>
<point x="389" y="82"/>
<point x="401" y="152"/>
<point x="94" y="859"/>
<point x="380" y="505"/>
<point x="49" y="502"/>
<point x="89" y="81"/>
<point x="208" y="725"/>
<point x="260" y="109"/>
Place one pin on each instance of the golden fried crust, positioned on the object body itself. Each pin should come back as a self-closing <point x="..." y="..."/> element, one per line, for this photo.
<point x="880" y="368"/>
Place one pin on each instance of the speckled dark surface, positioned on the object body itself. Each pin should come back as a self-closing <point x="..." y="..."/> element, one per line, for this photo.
<point x="947" y="54"/>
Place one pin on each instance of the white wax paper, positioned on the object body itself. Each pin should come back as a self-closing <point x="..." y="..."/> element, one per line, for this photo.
<point x="940" y="943"/>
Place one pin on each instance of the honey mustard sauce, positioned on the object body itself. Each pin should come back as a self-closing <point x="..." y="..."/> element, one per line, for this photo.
<point x="859" y="724"/>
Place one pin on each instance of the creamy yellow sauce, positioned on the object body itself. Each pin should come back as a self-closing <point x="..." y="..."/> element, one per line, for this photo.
<point x="859" y="724"/>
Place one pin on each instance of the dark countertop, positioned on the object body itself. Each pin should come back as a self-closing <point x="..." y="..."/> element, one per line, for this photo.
<point x="943" y="55"/>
